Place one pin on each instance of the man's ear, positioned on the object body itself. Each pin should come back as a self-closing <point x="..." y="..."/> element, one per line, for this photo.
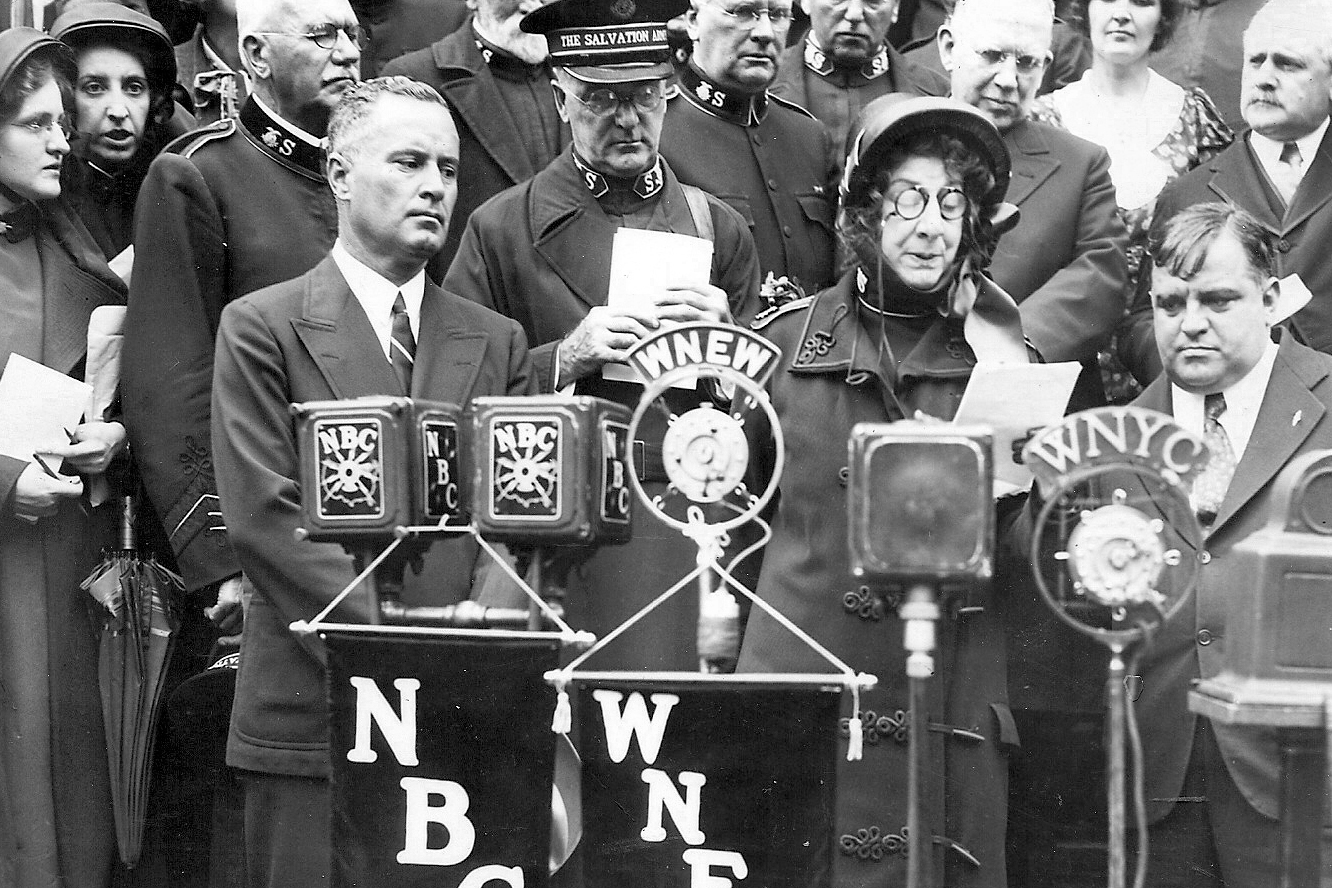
<point x="691" y="21"/>
<point x="946" y="46"/>
<point x="806" y="4"/>
<point x="559" y="100"/>
<point x="336" y="170"/>
<point x="254" y="53"/>
<point x="1271" y="296"/>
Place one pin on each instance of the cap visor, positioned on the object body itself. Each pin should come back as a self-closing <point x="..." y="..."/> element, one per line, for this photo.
<point x="622" y="73"/>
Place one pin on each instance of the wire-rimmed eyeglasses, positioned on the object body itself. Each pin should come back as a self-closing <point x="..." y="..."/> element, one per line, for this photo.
<point x="911" y="203"/>
<point x="604" y="102"/>
<point x="748" y="15"/>
<point x="47" y="125"/>
<point x="325" y="36"/>
<point x="1026" y="64"/>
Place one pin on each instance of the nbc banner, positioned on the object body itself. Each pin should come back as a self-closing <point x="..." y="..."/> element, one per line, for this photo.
<point x="704" y="785"/>
<point x="443" y="758"/>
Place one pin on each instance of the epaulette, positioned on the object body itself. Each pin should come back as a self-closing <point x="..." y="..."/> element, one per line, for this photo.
<point x="768" y="315"/>
<point x="794" y="106"/>
<point x="190" y="142"/>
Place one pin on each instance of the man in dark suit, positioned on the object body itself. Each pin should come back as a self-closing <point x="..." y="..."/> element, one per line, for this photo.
<point x="364" y="321"/>
<point x="844" y="62"/>
<point x="1287" y="98"/>
<point x="225" y="210"/>
<point x="496" y="80"/>
<point x="1259" y="405"/>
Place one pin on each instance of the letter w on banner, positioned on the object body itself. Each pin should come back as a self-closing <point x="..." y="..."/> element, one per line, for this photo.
<point x="442" y="759"/>
<point x="707" y="785"/>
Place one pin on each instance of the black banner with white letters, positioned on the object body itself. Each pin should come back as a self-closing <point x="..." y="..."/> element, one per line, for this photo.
<point x="442" y="759"/>
<point x="707" y="784"/>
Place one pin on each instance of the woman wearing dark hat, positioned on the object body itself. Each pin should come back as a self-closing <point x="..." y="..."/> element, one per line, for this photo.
<point x="52" y="745"/>
<point x="897" y="335"/>
<point x="123" y="112"/>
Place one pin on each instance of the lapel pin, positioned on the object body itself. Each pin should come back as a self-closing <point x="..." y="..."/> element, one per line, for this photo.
<point x="1295" y="420"/>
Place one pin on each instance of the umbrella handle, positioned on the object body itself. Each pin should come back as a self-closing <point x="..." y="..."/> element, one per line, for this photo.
<point x="129" y="537"/>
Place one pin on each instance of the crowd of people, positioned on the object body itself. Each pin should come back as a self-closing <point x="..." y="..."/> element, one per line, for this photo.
<point x="300" y="200"/>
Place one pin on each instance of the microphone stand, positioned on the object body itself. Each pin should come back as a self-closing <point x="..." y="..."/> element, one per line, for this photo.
<point x="919" y="613"/>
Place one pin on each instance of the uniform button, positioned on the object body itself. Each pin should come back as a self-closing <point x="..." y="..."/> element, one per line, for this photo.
<point x="844" y="475"/>
<point x="1204" y="637"/>
<point x="1284" y="245"/>
<point x="1204" y="557"/>
<point x="772" y="184"/>
<point x="786" y="230"/>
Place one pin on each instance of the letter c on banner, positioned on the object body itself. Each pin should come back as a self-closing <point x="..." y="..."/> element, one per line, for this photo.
<point x="493" y="872"/>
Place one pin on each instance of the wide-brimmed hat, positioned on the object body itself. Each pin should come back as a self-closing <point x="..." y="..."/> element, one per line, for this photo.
<point x="607" y="41"/>
<point x="120" y="25"/>
<point x="17" y="45"/>
<point x="890" y="120"/>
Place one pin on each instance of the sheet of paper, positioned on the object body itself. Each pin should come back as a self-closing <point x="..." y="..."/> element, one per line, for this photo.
<point x="123" y="264"/>
<point x="37" y="404"/>
<point x="102" y="372"/>
<point x="1014" y="399"/>
<point x="642" y="263"/>
<point x="1294" y="296"/>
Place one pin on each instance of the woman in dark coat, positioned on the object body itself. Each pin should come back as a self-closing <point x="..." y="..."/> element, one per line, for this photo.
<point x="52" y="744"/>
<point x="897" y="335"/>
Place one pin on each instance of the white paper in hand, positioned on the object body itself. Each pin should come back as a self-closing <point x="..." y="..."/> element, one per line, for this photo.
<point x="105" y="337"/>
<point x="1013" y="399"/>
<point x="37" y="405"/>
<point x="643" y="263"/>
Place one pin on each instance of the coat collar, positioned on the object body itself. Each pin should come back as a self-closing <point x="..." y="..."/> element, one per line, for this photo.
<point x="274" y="137"/>
<point x="1237" y="177"/>
<point x="1028" y="144"/>
<point x="475" y="98"/>
<point x="338" y="336"/>
<point x="573" y="234"/>
<point x="816" y="60"/>
<point x="1288" y="415"/>
<point x="708" y="97"/>
<point x="75" y="280"/>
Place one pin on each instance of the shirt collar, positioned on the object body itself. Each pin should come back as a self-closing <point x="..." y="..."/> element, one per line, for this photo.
<point x="377" y="293"/>
<point x="1243" y="399"/>
<point x="821" y="63"/>
<point x="1269" y="150"/>
<point x="738" y="108"/>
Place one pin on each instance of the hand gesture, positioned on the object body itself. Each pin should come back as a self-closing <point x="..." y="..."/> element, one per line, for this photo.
<point x="603" y="336"/>
<point x="92" y="447"/>
<point x="38" y="495"/>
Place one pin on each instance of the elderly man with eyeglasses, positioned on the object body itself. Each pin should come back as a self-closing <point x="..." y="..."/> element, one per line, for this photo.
<point x="765" y="156"/>
<point x="845" y="62"/>
<point x="225" y="210"/>
<point x="540" y="252"/>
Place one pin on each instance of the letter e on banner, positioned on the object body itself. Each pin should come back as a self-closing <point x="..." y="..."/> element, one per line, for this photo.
<point x="701" y="861"/>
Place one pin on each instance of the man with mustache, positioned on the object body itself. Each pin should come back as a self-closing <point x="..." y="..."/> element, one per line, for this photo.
<point x="1281" y="171"/>
<point x="496" y="80"/>
<point x="232" y="207"/>
<point x="766" y="157"/>
<point x="845" y="61"/>
<point x="364" y="321"/>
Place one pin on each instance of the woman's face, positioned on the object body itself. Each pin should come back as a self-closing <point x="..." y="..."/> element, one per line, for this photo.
<point x="111" y="103"/>
<point x="920" y="250"/>
<point x="33" y="144"/>
<point x="1123" y="30"/>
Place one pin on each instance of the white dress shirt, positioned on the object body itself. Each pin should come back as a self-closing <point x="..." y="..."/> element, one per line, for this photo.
<point x="377" y="293"/>
<point x="1242" y="402"/>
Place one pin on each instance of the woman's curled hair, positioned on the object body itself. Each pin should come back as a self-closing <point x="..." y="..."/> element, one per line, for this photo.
<point x="37" y="70"/>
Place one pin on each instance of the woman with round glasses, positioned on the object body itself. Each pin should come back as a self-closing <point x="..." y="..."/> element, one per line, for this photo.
<point x="52" y="744"/>
<point x="896" y="336"/>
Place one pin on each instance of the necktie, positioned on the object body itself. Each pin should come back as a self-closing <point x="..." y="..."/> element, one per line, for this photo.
<point x="402" y="345"/>
<point x="1290" y="169"/>
<point x="1209" y="489"/>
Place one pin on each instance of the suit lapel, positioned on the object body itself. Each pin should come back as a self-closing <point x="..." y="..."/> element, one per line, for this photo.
<point x="1157" y="397"/>
<point x="477" y="100"/>
<point x="1315" y="188"/>
<point x="566" y="219"/>
<point x="1237" y="178"/>
<point x="339" y="338"/>
<point x="1286" y="418"/>
<point x="448" y="357"/>
<point x="1032" y="161"/>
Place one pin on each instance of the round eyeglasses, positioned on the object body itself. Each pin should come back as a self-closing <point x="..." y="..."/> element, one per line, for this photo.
<point x="911" y="203"/>
<point x="747" y="16"/>
<point x="47" y="125"/>
<point x="604" y="102"/>
<point x="325" y="36"/>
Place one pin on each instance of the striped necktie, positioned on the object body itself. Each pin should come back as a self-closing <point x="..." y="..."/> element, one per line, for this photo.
<point x="1290" y="170"/>
<point x="1209" y="488"/>
<point x="402" y="345"/>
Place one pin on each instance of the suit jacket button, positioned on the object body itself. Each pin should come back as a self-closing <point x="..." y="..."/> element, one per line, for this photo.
<point x="1283" y="245"/>
<point x="1204" y="557"/>
<point x="1204" y="637"/>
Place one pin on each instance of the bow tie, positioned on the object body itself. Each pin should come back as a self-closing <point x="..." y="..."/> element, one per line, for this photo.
<point x="18" y="223"/>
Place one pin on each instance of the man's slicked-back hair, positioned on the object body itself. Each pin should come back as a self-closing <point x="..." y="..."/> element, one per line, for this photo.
<point x="345" y="125"/>
<point x="962" y="9"/>
<point x="1181" y="245"/>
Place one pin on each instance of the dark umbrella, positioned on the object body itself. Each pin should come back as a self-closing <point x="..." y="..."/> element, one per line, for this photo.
<point x="138" y="632"/>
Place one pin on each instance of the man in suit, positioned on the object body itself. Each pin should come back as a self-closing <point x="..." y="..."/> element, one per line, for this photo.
<point x="364" y="321"/>
<point x="844" y="62"/>
<point x="765" y="156"/>
<point x="232" y="207"/>
<point x="496" y="80"/>
<point x="1280" y="172"/>
<point x="1259" y="405"/>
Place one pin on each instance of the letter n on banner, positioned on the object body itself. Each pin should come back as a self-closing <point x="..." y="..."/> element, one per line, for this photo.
<point x="442" y="757"/>
<point x="707" y="785"/>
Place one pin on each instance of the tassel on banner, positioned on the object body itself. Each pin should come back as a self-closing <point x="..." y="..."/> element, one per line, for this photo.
<point x="855" y="747"/>
<point x="562" y="723"/>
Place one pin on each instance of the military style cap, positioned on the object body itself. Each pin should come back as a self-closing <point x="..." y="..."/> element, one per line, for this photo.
<point x="120" y="25"/>
<point x="607" y="41"/>
<point x="889" y="120"/>
<point x="17" y="45"/>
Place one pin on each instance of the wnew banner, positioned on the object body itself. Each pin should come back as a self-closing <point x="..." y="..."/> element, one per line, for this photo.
<point x="442" y="759"/>
<point x="706" y="785"/>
